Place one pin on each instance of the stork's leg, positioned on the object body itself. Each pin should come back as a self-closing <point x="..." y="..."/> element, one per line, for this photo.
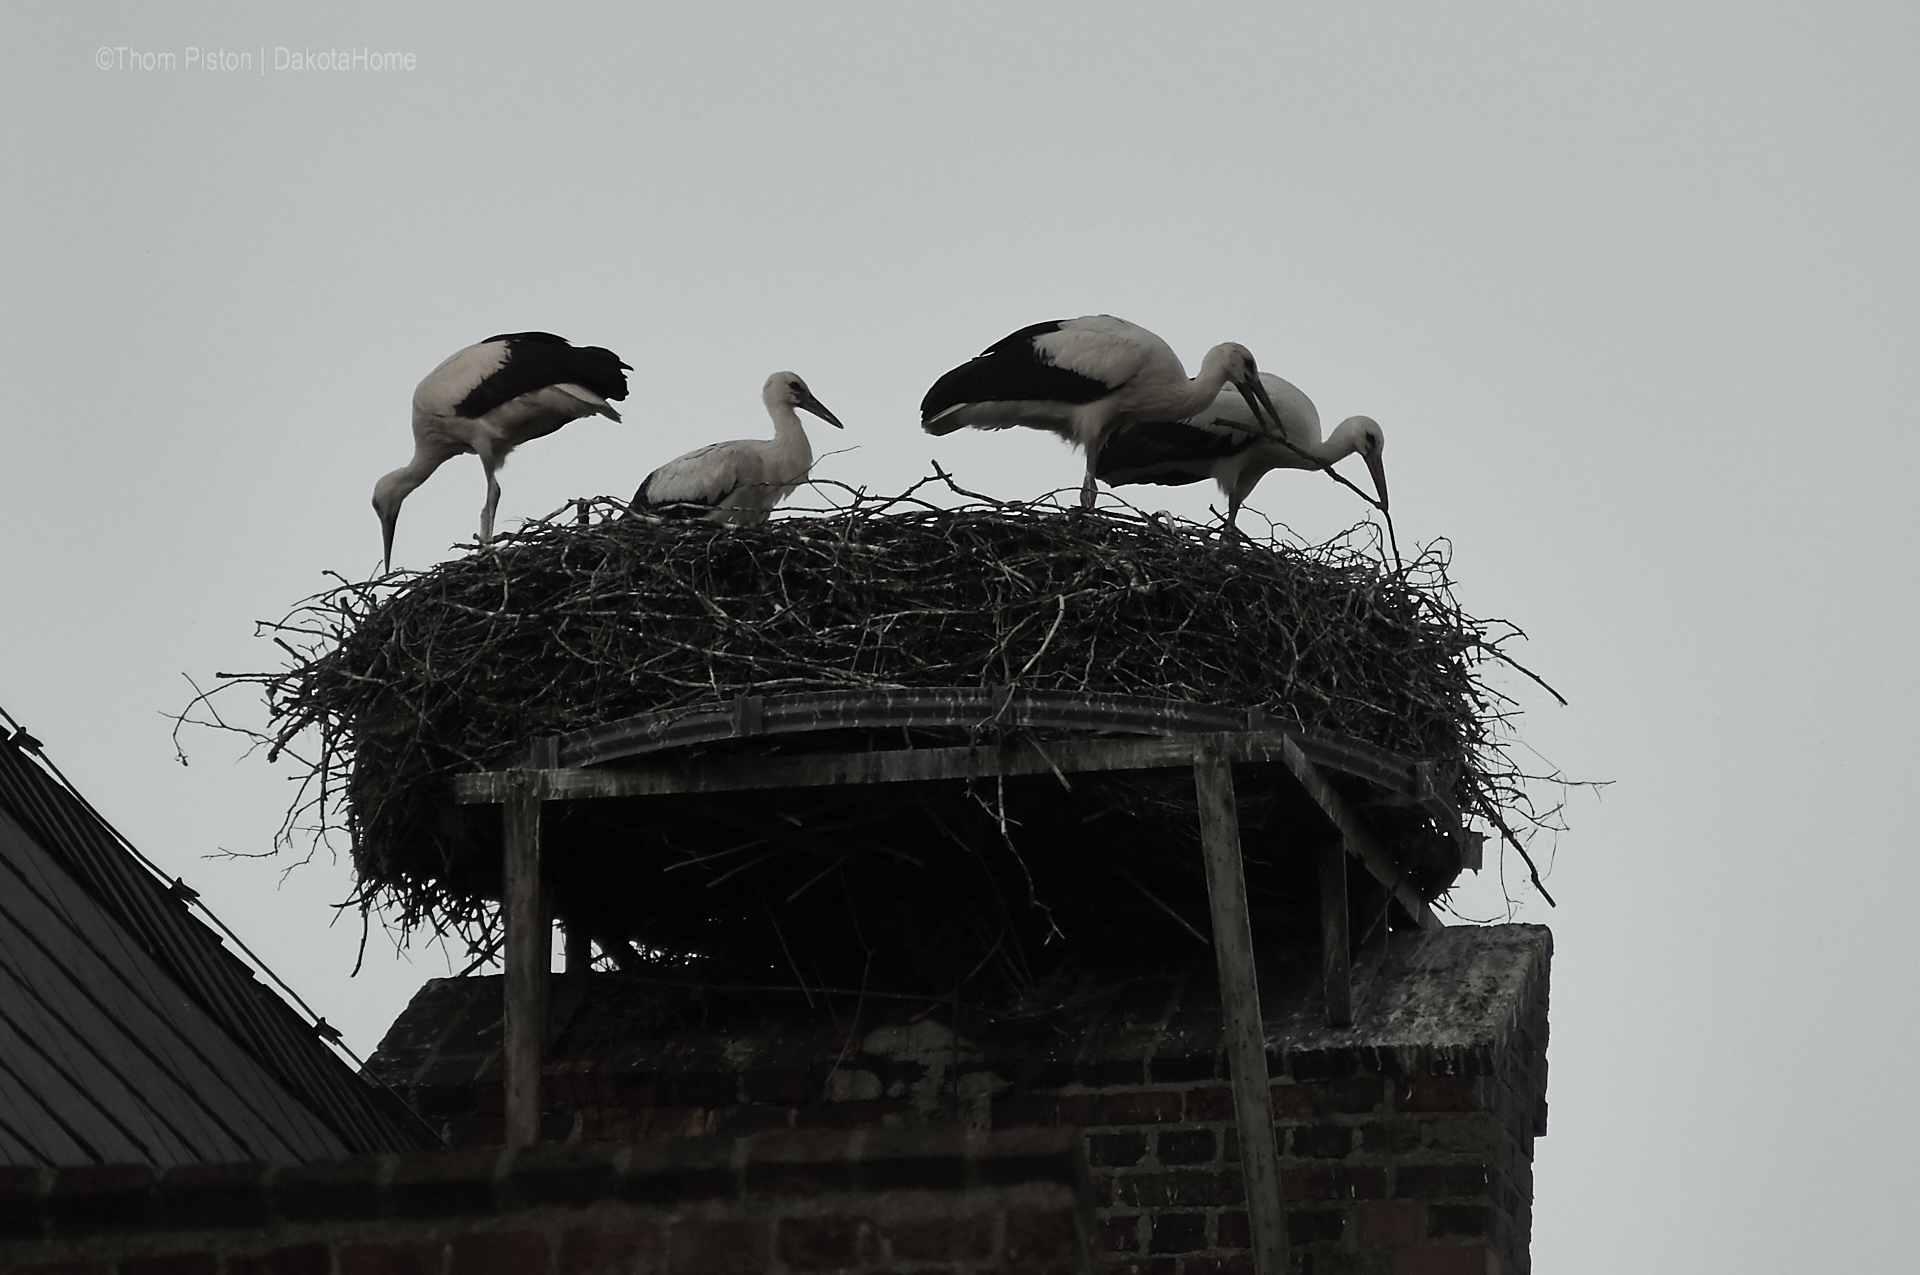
<point x="1091" y="426"/>
<point x="486" y="512"/>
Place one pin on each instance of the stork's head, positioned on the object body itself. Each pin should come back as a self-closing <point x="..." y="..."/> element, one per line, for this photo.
<point x="785" y="389"/>
<point x="387" y="495"/>
<point x="1370" y="442"/>
<point x="1236" y="366"/>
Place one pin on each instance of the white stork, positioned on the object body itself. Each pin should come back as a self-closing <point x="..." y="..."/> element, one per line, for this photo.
<point x="490" y="398"/>
<point x="740" y="482"/>
<point x="1082" y="379"/>
<point x="1223" y="444"/>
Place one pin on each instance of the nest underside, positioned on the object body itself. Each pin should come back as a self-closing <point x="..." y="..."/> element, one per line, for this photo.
<point x="407" y="683"/>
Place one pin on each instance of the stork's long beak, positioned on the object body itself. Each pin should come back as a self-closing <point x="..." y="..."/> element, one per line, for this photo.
<point x="814" y="405"/>
<point x="1260" y="405"/>
<point x="387" y="523"/>
<point x="1378" y="469"/>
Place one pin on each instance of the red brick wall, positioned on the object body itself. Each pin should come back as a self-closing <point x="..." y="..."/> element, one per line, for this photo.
<point x="894" y="1200"/>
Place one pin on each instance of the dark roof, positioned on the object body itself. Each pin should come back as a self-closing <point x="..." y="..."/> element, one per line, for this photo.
<point x="128" y="1033"/>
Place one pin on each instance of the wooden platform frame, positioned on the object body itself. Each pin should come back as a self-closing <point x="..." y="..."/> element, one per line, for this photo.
<point x="1209" y="739"/>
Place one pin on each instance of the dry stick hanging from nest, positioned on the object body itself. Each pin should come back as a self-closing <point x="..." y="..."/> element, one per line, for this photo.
<point x="594" y="616"/>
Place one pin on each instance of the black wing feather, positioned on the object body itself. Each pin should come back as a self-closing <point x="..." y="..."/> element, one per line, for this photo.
<point x="1009" y="370"/>
<point x="643" y="501"/>
<point x="1149" y="452"/>
<point x="536" y="360"/>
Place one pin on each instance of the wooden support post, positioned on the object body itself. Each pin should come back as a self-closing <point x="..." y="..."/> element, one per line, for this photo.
<point x="1240" y="1004"/>
<point x="1336" y="952"/>
<point x="579" y="950"/>
<point x="529" y="951"/>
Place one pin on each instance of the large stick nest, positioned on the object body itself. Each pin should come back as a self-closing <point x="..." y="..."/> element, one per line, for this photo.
<point x="407" y="682"/>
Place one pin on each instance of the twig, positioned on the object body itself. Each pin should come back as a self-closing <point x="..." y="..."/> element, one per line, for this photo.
<point x="1155" y="899"/>
<point x="1493" y="816"/>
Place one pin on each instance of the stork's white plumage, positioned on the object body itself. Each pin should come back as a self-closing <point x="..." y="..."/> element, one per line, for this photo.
<point x="490" y="398"/>
<point x="1223" y="443"/>
<point x="740" y="482"/>
<point x="1082" y="379"/>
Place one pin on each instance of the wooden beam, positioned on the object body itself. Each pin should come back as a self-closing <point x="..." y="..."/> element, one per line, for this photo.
<point x="1336" y="954"/>
<point x="1368" y="906"/>
<point x="921" y="765"/>
<point x="969" y="708"/>
<point x="1240" y="1003"/>
<point x="1358" y="838"/>
<point x="953" y="706"/>
<point x="529" y="950"/>
<point x="817" y="770"/>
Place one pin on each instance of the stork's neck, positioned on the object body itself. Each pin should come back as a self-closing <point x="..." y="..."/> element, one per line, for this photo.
<point x="1204" y="388"/>
<point x="425" y="460"/>
<point x="790" y="436"/>
<point x="1200" y="392"/>
<point x="1172" y="400"/>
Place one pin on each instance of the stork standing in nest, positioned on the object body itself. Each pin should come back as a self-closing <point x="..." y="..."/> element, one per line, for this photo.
<point x="1084" y="378"/>
<point x="740" y="482"/>
<point x="490" y="398"/>
<point x="1225" y="443"/>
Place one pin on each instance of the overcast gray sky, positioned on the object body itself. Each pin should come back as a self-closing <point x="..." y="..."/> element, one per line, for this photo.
<point x="1630" y="286"/>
